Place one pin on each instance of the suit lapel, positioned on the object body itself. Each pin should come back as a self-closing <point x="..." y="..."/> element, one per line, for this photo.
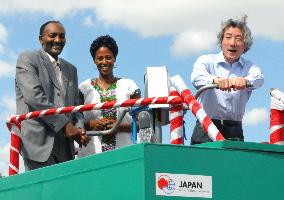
<point x="65" y="76"/>
<point x="49" y="67"/>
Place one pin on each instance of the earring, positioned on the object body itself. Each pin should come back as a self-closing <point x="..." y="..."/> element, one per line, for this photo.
<point x="115" y="66"/>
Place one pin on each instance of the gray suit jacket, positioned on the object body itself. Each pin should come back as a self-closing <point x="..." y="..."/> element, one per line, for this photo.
<point x="37" y="88"/>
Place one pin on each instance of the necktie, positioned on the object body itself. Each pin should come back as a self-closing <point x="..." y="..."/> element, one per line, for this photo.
<point x="58" y="73"/>
<point x="60" y="82"/>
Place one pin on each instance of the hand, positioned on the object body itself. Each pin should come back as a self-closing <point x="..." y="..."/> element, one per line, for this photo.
<point x="83" y="138"/>
<point x="110" y="124"/>
<point x="78" y="134"/>
<point x="101" y="124"/>
<point x="238" y="83"/>
<point x="223" y="83"/>
<point x="70" y="130"/>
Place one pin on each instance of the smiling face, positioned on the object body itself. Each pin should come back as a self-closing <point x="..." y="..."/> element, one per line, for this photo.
<point x="104" y="60"/>
<point x="53" y="39"/>
<point x="233" y="45"/>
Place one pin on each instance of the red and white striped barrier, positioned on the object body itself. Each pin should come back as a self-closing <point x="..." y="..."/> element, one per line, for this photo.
<point x="96" y="106"/>
<point x="14" y="148"/>
<point x="212" y="131"/>
<point x="13" y="122"/>
<point x="183" y="95"/>
<point x="277" y="117"/>
<point x="176" y="120"/>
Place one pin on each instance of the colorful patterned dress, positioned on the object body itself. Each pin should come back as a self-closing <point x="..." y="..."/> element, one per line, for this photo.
<point x="108" y="141"/>
<point x="122" y="90"/>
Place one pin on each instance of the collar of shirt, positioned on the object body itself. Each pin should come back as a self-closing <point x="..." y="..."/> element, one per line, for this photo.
<point x="221" y="59"/>
<point x="52" y="59"/>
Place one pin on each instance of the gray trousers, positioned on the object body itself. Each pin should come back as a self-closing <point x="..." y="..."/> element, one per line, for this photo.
<point x="61" y="152"/>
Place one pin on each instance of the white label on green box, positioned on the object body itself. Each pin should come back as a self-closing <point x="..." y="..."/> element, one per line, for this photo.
<point x="183" y="185"/>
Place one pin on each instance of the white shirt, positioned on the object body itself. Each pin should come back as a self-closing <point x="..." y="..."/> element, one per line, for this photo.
<point x="57" y="69"/>
<point x="221" y="104"/>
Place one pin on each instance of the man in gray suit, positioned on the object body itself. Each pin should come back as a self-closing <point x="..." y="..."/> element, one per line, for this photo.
<point x="43" y="81"/>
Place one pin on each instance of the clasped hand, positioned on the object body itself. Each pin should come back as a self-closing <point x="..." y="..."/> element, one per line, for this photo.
<point x="102" y="124"/>
<point x="78" y="134"/>
<point x="227" y="84"/>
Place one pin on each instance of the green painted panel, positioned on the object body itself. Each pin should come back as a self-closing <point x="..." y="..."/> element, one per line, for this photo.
<point x="111" y="175"/>
<point x="227" y="144"/>
<point x="238" y="170"/>
<point x="236" y="174"/>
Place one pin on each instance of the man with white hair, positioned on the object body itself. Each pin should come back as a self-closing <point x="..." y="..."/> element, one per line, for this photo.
<point x="232" y="73"/>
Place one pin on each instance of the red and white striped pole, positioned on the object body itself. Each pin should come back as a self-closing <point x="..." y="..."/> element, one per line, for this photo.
<point x="96" y="106"/>
<point x="14" y="148"/>
<point x="212" y="131"/>
<point x="277" y="117"/>
<point x="176" y="120"/>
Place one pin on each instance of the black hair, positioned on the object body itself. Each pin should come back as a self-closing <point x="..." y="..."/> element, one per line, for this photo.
<point x="45" y="24"/>
<point x="104" y="41"/>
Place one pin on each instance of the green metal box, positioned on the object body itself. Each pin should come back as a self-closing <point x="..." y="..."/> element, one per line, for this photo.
<point x="224" y="170"/>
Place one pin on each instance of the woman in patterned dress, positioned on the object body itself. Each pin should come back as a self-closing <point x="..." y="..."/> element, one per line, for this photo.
<point x="104" y="88"/>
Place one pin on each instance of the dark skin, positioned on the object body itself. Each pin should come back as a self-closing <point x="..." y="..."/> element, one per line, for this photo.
<point x="53" y="41"/>
<point x="104" y="61"/>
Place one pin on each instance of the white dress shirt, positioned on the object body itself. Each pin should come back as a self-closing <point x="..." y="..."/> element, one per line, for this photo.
<point x="56" y="65"/>
<point x="219" y="104"/>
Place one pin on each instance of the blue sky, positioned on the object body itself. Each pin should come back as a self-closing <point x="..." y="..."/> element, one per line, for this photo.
<point x="149" y="33"/>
